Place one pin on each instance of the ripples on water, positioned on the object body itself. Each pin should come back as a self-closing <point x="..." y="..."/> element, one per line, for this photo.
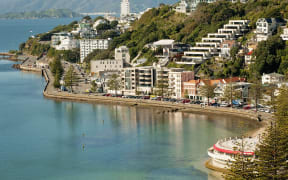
<point x="46" y="139"/>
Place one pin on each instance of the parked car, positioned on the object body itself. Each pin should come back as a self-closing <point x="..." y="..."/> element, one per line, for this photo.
<point x="197" y="102"/>
<point x="145" y="97"/>
<point x="156" y="98"/>
<point x="224" y="104"/>
<point x="173" y="100"/>
<point x="185" y="101"/>
<point x="215" y="104"/>
<point x="247" y="107"/>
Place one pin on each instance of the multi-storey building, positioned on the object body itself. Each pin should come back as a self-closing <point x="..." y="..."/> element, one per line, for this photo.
<point x="273" y="78"/>
<point x="122" y="53"/>
<point x="215" y="44"/>
<point x="89" y="45"/>
<point x="265" y="28"/>
<point x="106" y="65"/>
<point x="192" y="87"/>
<point x="64" y="41"/>
<point x="138" y="80"/>
<point x="187" y="6"/>
<point x="176" y="79"/>
<point x="125" y="8"/>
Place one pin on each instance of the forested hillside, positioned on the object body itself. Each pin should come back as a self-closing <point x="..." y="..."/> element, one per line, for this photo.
<point x="163" y="22"/>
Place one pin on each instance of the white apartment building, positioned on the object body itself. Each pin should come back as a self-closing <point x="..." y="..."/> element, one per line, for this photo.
<point x="138" y="80"/>
<point x="183" y="7"/>
<point x="106" y="65"/>
<point x="125" y="8"/>
<point x="177" y="77"/>
<point x="273" y="78"/>
<point x="187" y="6"/>
<point x="265" y="28"/>
<point x="64" y="41"/>
<point x="216" y="44"/>
<point x="226" y="47"/>
<point x="122" y="53"/>
<point x="284" y="36"/>
<point x="89" y="45"/>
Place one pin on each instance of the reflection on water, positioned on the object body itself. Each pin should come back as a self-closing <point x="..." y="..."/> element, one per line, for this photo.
<point x="44" y="138"/>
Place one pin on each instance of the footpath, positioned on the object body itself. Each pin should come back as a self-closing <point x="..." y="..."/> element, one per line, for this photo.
<point x="52" y="93"/>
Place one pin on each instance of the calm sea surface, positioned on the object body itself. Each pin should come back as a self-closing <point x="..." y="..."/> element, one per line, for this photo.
<point x="50" y="140"/>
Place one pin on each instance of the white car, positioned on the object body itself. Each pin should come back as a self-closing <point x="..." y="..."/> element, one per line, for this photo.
<point x="224" y="105"/>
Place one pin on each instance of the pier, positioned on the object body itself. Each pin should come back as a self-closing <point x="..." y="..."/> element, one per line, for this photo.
<point x="5" y="55"/>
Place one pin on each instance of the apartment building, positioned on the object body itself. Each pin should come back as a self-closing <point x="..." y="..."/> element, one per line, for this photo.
<point x="177" y="77"/>
<point x="272" y="78"/>
<point x="188" y="6"/>
<point x="98" y="66"/>
<point x="89" y="45"/>
<point x="125" y="8"/>
<point x="265" y="28"/>
<point x="122" y="53"/>
<point x="192" y="87"/>
<point x="64" y="41"/>
<point x="138" y="80"/>
<point x="216" y="44"/>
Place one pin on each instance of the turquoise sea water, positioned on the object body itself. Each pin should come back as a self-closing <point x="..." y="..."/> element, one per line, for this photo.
<point x="52" y="140"/>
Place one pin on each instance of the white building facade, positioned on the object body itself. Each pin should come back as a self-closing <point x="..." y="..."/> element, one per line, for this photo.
<point x="284" y="35"/>
<point x="265" y="28"/>
<point x="176" y="79"/>
<point x="125" y="8"/>
<point x="216" y="44"/>
<point x="273" y="78"/>
<point x="64" y="41"/>
<point x="122" y="53"/>
<point x="89" y="45"/>
<point x="106" y="65"/>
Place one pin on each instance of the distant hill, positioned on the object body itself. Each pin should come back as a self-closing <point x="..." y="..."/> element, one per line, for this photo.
<point x="50" y="13"/>
<point x="76" y="5"/>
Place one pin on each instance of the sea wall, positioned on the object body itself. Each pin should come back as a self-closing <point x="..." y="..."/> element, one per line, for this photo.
<point x="50" y="92"/>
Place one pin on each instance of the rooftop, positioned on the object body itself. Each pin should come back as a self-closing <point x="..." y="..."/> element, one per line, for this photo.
<point x="164" y="42"/>
<point x="235" y="145"/>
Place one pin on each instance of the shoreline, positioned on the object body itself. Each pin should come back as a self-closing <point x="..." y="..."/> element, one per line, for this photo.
<point x="50" y="92"/>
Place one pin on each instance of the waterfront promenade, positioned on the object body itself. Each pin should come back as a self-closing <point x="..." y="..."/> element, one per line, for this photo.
<point x="52" y="93"/>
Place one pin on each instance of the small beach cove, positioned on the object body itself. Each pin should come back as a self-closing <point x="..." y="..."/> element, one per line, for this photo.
<point x="44" y="138"/>
<point x="181" y="138"/>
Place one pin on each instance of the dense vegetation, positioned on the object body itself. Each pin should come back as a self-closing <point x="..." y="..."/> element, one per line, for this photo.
<point x="50" y="13"/>
<point x="163" y="22"/>
<point x="272" y="151"/>
<point x="61" y="28"/>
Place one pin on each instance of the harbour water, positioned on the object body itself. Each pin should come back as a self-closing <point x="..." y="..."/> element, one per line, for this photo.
<point x="53" y="140"/>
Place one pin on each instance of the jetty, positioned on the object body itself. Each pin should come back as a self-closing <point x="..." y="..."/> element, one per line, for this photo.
<point x="6" y="55"/>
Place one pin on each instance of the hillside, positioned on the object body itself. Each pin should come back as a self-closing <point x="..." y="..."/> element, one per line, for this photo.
<point x="50" y="13"/>
<point x="163" y="22"/>
<point x="76" y="5"/>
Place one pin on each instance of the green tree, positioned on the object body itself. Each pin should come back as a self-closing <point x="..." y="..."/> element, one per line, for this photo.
<point x="71" y="79"/>
<point x="271" y="155"/>
<point x="272" y="151"/>
<point x="114" y="83"/>
<point x="256" y="92"/>
<point x="268" y="55"/>
<point x="230" y="93"/>
<point x="57" y="78"/>
<point x="208" y="91"/>
<point x="243" y="166"/>
<point x="93" y="86"/>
